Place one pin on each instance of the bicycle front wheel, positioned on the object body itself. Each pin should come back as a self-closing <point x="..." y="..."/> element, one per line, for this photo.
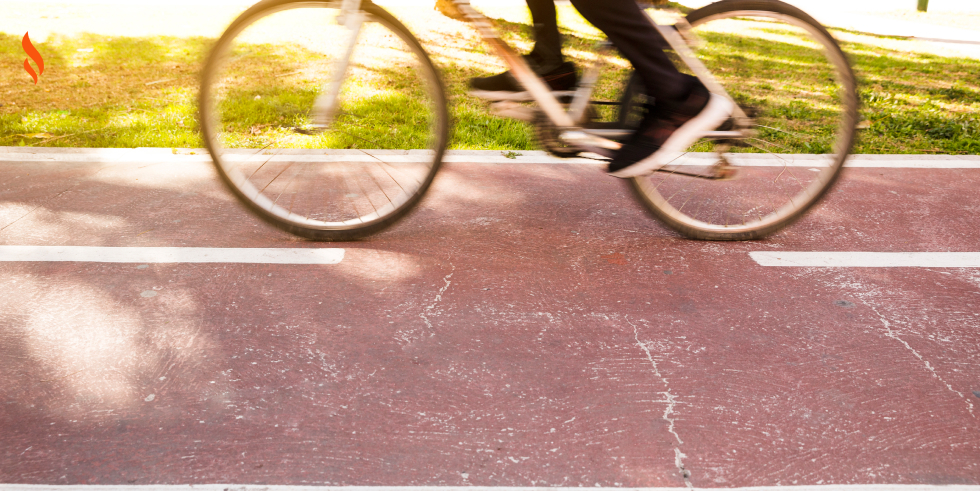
<point x="790" y="77"/>
<point x="328" y="128"/>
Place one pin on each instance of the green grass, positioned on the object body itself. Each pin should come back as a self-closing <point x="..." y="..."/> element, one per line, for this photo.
<point x="919" y="103"/>
<point x="105" y="97"/>
<point x="141" y="91"/>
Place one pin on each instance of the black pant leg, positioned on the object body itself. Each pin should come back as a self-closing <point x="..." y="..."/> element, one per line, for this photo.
<point x="547" y="40"/>
<point x="629" y="29"/>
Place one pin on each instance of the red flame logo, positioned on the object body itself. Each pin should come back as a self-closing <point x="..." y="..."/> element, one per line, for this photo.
<point x="32" y="52"/>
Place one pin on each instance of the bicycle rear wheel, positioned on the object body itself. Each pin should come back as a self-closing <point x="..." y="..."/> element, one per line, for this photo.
<point x="790" y="76"/>
<point x="315" y="165"/>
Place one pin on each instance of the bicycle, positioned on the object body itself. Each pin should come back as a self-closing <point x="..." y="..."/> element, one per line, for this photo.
<point x="338" y="131"/>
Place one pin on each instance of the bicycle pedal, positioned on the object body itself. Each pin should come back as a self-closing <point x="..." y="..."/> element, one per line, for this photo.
<point x="513" y="110"/>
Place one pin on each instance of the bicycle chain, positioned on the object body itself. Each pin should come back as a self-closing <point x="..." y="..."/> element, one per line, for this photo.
<point x="547" y="136"/>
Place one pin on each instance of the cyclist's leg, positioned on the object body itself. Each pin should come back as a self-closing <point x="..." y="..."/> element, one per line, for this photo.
<point x="628" y="28"/>
<point x="683" y="107"/>
<point x="547" y="40"/>
<point x="545" y="59"/>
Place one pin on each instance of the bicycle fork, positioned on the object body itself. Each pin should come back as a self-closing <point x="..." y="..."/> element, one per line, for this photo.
<point x="683" y="50"/>
<point x="327" y="102"/>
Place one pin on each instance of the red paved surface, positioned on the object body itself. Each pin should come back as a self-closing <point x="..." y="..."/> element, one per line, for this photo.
<point x="529" y="325"/>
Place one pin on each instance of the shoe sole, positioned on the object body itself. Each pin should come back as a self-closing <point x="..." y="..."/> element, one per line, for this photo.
<point x="716" y="112"/>
<point x="498" y="95"/>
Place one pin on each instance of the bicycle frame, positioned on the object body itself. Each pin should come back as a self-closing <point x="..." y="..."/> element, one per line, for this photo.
<point x="565" y="120"/>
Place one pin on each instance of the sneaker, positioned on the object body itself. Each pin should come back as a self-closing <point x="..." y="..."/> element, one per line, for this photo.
<point x="504" y="87"/>
<point x="668" y="131"/>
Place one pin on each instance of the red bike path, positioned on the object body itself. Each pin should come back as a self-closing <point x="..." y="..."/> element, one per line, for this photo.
<point x="528" y="325"/>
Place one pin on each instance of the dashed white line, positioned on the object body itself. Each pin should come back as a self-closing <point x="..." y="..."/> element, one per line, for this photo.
<point x="867" y="259"/>
<point x="170" y="255"/>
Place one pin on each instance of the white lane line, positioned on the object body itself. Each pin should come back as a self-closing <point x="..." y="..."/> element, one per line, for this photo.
<point x="170" y="255"/>
<point x="241" y="487"/>
<point x="867" y="259"/>
<point x="913" y="164"/>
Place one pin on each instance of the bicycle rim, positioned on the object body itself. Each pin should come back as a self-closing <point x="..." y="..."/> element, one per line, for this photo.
<point x="789" y="74"/>
<point x="351" y="177"/>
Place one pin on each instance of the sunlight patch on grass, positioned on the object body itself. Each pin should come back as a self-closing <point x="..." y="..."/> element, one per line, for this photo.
<point x="141" y="90"/>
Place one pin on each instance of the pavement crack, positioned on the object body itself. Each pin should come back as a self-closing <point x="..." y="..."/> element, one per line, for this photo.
<point x="32" y="210"/>
<point x="47" y="200"/>
<point x="669" y="410"/>
<point x="889" y="332"/>
<point x="679" y="462"/>
<point x="436" y="300"/>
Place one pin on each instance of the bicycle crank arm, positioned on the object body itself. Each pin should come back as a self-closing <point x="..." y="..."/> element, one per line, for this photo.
<point x="721" y="173"/>
<point x="722" y="170"/>
<point x="513" y="110"/>
<point x="590" y="143"/>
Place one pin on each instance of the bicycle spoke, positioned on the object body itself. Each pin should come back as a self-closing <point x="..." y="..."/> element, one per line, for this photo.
<point x="328" y="181"/>
<point x="748" y="52"/>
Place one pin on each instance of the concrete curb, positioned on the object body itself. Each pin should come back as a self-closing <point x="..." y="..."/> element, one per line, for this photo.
<point x="183" y="155"/>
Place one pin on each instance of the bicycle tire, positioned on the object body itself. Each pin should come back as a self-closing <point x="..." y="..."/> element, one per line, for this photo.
<point x="733" y="212"/>
<point x="324" y="184"/>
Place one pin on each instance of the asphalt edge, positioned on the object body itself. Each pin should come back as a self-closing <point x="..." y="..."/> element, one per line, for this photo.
<point x="168" y="155"/>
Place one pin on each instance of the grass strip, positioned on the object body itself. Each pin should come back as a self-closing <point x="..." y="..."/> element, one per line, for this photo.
<point x="114" y="91"/>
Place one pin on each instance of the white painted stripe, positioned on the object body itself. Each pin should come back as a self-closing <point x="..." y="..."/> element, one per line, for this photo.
<point x="243" y="487"/>
<point x="165" y="155"/>
<point x="170" y="255"/>
<point x="915" y="164"/>
<point x="868" y="259"/>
